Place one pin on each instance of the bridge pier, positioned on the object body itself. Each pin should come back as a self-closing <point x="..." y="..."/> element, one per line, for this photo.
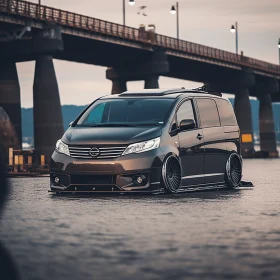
<point x="242" y="107"/>
<point x="243" y="112"/>
<point x="119" y="86"/>
<point x="148" y="70"/>
<point x="264" y="90"/>
<point x="151" y="82"/>
<point x="8" y="136"/>
<point x="10" y="95"/>
<point x="48" y="124"/>
<point x="267" y="130"/>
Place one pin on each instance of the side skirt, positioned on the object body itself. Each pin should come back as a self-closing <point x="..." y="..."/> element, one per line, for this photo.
<point x="218" y="185"/>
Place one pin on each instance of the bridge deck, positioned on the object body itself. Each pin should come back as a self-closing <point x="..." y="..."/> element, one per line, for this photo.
<point x="17" y="11"/>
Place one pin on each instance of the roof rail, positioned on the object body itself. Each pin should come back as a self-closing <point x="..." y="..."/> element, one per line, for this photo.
<point x="155" y="92"/>
<point x="205" y="90"/>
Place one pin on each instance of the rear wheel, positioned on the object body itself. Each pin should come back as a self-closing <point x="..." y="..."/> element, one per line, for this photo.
<point x="171" y="174"/>
<point x="233" y="171"/>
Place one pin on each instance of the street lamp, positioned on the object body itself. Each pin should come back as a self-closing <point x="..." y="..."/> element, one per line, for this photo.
<point x="131" y="3"/>
<point x="175" y="10"/>
<point x="234" y="29"/>
<point x="279" y="50"/>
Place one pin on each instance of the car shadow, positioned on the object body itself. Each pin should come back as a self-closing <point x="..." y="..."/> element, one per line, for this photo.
<point x="208" y="194"/>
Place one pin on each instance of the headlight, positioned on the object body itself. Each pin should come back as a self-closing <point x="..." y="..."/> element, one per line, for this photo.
<point x="62" y="148"/>
<point x="142" y="146"/>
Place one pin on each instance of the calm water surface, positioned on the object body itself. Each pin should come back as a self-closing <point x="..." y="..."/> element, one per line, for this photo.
<point x="203" y="235"/>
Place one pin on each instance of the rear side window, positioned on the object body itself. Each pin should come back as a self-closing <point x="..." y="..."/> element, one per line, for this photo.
<point x="208" y="113"/>
<point x="226" y="112"/>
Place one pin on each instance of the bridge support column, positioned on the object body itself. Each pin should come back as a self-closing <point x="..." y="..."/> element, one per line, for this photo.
<point x="48" y="124"/>
<point x="10" y="95"/>
<point x="242" y="107"/>
<point x="148" y="70"/>
<point x="151" y="82"/>
<point x="119" y="86"/>
<point x="264" y="90"/>
<point x="243" y="112"/>
<point x="267" y="129"/>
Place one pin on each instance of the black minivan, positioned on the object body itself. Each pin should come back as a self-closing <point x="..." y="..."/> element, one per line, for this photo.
<point x="151" y="141"/>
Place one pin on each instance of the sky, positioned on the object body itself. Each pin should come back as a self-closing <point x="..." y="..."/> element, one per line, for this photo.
<point x="205" y="22"/>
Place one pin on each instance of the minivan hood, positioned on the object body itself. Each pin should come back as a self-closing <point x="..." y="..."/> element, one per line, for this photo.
<point x="109" y="135"/>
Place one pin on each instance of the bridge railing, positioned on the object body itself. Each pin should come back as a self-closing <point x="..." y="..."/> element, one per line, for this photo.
<point x="69" y="19"/>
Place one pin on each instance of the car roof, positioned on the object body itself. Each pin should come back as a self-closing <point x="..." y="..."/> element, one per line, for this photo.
<point x="166" y="93"/>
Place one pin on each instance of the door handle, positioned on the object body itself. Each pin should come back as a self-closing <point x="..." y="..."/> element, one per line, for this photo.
<point x="199" y="136"/>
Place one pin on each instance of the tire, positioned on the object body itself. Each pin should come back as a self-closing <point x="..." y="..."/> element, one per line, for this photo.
<point x="233" y="172"/>
<point x="171" y="174"/>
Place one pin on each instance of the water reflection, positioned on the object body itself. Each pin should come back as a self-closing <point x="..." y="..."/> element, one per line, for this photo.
<point x="216" y="234"/>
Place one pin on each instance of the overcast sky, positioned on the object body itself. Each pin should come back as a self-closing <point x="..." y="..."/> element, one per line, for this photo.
<point x="205" y="22"/>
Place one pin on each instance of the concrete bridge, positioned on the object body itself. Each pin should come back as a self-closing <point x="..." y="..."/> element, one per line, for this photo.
<point x="30" y="31"/>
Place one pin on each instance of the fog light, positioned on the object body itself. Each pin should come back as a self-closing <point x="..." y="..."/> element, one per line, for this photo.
<point x="139" y="180"/>
<point x="56" y="180"/>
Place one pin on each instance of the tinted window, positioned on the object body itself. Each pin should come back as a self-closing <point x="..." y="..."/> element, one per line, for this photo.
<point x="208" y="113"/>
<point x="226" y="112"/>
<point x="185" y="112"/>
<point x="126" y="111"/>
<point x="96" y="115"/>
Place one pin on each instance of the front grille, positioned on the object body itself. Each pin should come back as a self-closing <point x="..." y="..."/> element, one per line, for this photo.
<point x="105" y="152"/>
<point x="92" y="179"/>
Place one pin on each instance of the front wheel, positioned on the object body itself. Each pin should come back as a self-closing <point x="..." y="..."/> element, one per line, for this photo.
<point x="233" y="171"/>
<point x="171" y="174"/>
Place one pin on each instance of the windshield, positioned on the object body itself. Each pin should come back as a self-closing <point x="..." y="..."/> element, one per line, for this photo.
<point x="126" y="112"/>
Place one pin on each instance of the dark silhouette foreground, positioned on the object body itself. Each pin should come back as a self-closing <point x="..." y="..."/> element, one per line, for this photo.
<point x="8" y="270"/>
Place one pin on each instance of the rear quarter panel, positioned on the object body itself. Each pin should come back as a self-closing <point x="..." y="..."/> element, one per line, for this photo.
<point x="232" y="137"/>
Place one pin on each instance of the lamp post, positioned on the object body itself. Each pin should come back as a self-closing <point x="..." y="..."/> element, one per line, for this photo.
<point x="39" y="2"/>
<point x="175" y="10"/>
<point x="234" y="29"/>
<point x="279" y="50"/>
<point x="131" y="3"/>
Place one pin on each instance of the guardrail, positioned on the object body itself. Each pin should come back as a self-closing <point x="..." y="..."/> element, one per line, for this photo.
<point x="69" y="19"/>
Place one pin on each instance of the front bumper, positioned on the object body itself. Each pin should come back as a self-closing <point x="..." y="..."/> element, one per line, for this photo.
<point x="117" y="175"/>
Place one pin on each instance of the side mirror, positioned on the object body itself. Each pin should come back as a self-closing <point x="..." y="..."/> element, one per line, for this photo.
<point x="187" y="124"/>
<point x="70" y="124"/>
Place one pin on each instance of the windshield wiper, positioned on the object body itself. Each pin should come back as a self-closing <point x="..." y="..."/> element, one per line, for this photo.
<point x="147" y="124"/>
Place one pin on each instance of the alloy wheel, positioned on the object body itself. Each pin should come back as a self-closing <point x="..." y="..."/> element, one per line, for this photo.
<point x="171" y="174"/>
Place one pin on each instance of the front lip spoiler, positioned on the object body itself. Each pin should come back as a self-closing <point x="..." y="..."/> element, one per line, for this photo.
<point x="105" y="192"/>
<point x="243" y="184"/>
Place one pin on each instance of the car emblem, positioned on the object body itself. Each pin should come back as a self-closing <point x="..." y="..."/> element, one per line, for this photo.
<point x="94" y="152"/>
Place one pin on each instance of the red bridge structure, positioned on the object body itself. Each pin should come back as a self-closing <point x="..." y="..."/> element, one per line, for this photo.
<point x="30" y="31"/>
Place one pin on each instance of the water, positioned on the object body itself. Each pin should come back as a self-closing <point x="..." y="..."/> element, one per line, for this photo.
<point x="203" y="235"/>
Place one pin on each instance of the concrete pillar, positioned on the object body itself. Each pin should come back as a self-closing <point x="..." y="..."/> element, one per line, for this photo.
<point x="118" y="86"/>
<point x="149" y="70"/>
<point x="264" y="90"/>
<point x="8" y="135"/>
<point x="151" y="82"/>
<point x="267" y="129"/>
<point x="48" y="123"/>
<point x="243" y="112"/>
<point x="10" y="95"/>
